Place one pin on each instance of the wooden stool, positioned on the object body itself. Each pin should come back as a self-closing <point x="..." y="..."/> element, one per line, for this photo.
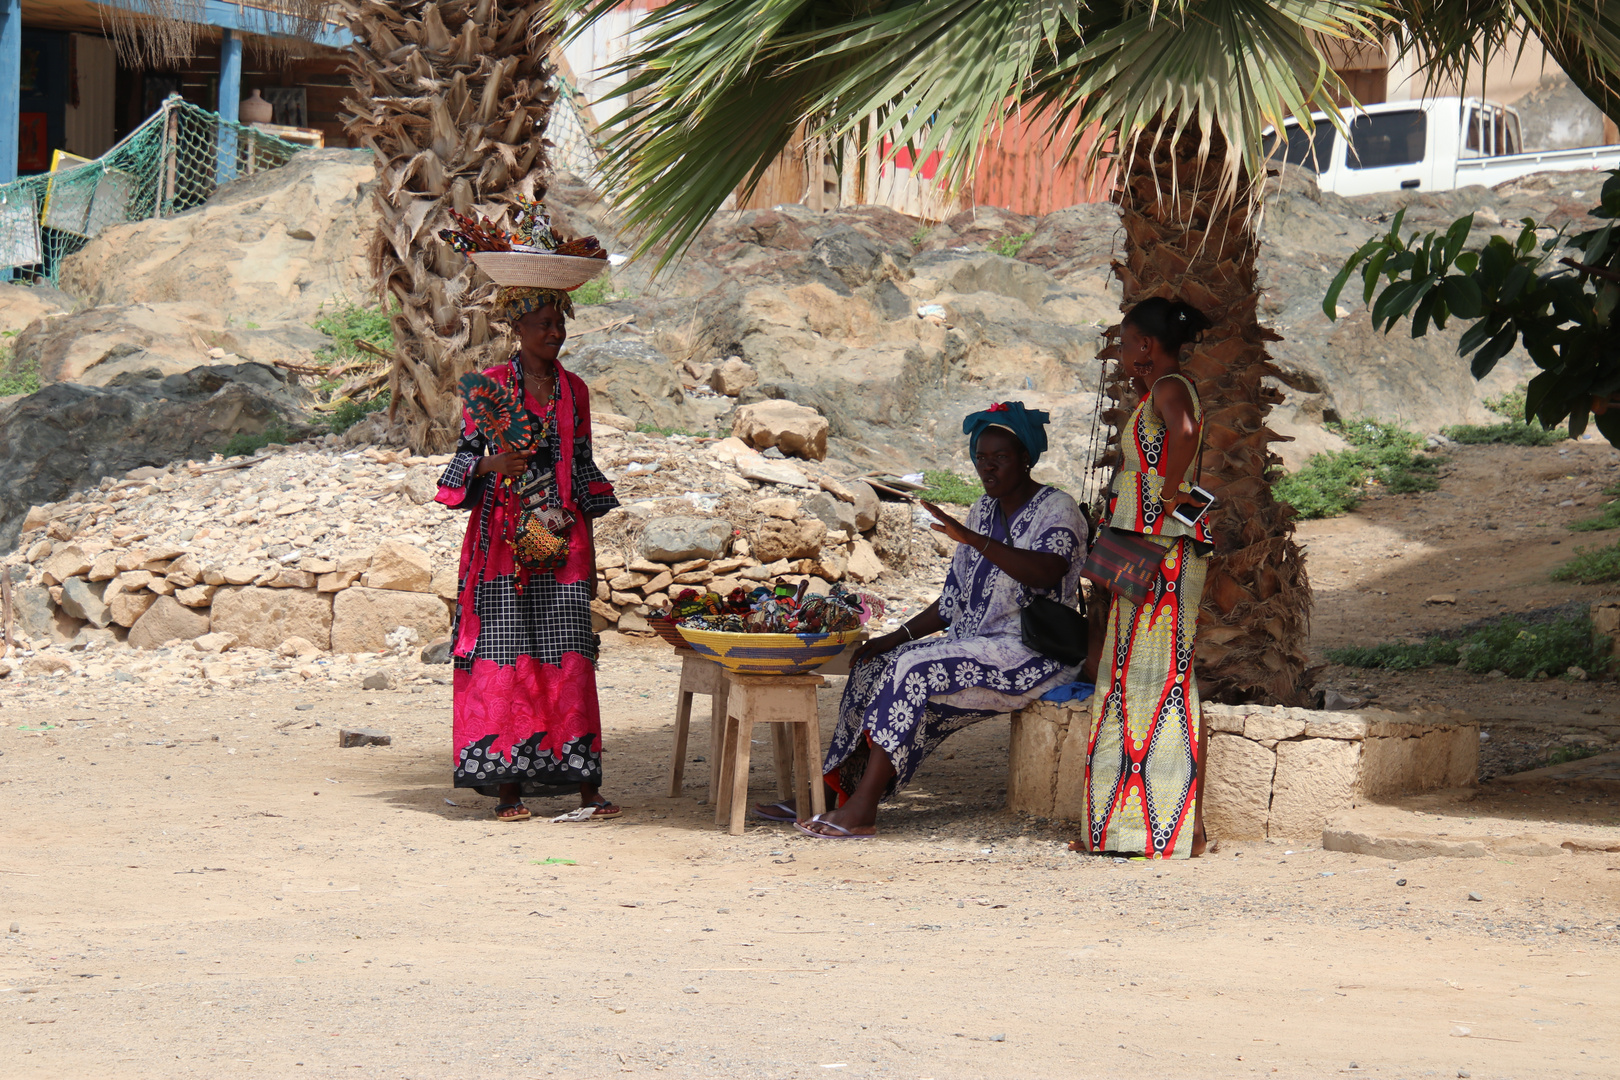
<point x="699" y="675"/>
<point x="789" y="703"/>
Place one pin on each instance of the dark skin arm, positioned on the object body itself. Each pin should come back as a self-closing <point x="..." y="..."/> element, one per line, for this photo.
<point x="1175" y="405"/>
<point x="925" y="622"/>
<point x="1036" y="569"/>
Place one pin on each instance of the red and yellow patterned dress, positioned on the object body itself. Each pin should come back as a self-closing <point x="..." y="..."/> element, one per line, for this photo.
<point x="1142" y="769"/>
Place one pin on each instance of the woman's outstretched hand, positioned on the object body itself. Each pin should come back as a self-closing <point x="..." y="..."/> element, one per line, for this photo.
<point x="948" y="525"/>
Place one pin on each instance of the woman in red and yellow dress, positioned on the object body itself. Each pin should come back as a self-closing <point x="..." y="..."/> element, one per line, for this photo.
<point x="1142" y="771"/>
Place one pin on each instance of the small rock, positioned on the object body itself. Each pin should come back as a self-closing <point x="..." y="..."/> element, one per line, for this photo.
<point x="297" y="646"/>
<point x="1441" y="598"/>
<point x="16" y="928"/>
<point x="377" y="680"/>
<point x="1464" y="1073"/>
<point x="401" y="567"/>
<point x="767" y="471"/>
<point x="1333" y="701"/>
<point x="437" y="653"/>
<point x="677" y="539"/>
<point x="215" y="642"/>
<point x="1476" y="898"/>
<point x="689" y="989"/>
<point x="732" y="376"/>
<point x="1578" y="674"/>
<point x="348" y="737"/>
<point x="305" y="707"/>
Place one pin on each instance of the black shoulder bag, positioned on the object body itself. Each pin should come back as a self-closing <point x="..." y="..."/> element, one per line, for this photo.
<point x="1052" y="628"/>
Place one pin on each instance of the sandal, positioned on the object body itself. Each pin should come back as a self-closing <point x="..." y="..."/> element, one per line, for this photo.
<point x="512" y="811"/>
<point x="604" y="809"/>
<point x="782" y="811"/>
<point x="841" y="834"/>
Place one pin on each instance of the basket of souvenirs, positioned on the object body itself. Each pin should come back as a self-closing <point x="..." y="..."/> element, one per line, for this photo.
<point x="531" y="255"/>
<point x="772" y="631"/>
<point x="665" y="628"/>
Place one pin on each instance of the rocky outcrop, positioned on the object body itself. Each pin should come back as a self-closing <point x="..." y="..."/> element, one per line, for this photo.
<point x="269" y="247"/>
<point x="68" y="436"/>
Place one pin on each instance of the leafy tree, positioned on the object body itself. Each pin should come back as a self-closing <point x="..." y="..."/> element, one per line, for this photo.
<point x="1522" y="290"/>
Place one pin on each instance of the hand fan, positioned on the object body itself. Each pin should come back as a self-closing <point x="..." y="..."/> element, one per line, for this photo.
<point x="497" y="413"/>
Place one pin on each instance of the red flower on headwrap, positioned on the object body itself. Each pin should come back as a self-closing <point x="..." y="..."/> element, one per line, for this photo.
<point x="997" y="406"/>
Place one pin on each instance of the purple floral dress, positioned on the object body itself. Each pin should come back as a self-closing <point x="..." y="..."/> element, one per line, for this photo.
<point x="909" y="699"/>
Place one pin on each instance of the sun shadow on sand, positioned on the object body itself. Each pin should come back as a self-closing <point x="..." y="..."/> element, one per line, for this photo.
<point x="961" y="790"/>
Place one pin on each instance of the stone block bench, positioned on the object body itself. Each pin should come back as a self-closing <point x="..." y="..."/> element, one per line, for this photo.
<point x="1273" y="771"/>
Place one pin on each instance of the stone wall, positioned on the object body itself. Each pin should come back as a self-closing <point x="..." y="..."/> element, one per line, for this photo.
<point x="1272" y="771"/>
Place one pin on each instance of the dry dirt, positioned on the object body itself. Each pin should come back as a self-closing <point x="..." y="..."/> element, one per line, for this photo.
<point x="204" y="884"/>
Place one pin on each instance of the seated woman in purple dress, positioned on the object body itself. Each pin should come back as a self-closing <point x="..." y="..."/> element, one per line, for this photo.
<point x="910" y="689"/>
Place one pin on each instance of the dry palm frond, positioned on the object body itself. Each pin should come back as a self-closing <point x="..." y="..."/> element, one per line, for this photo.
<point x="163" y="33"/>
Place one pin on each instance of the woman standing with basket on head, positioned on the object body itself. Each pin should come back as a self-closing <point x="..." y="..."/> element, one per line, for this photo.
<point x="526" y="718"/>
<point x="1142" y="771"/>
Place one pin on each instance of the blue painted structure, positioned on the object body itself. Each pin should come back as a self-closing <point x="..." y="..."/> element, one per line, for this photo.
<point x="230" y="101"/>
<point x="10" y="86"/>
<point x="234" y="19"/>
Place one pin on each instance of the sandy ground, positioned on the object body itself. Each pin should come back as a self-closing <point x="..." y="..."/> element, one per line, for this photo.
<point x="204" y="884"/>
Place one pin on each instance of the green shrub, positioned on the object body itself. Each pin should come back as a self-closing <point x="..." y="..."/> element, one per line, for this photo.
<point x="1513" y="433"/>
<point x="1334" y="483"/>
<point x="1516" y="432"/>
<point x="1608" y="517"/>
<point x="1510" y="645"/>
<point x="1594" y="566"/>
<point x="1396" y="655"/>
<point x="654" y="429"/>
<point x="1010" y="246"/>
<point x="1570" y="753"/>
<point x="598" y="290"/>
<point x="244" y="444"/>
<point x="14" y="378"/>
<point x="920" y="237"/>
<point x="347" y="323"/>
<point x="947" y="487"/>
<point x="350" y="412"/>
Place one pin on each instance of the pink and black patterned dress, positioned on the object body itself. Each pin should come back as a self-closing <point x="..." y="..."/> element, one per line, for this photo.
<point x="525" y="657"/>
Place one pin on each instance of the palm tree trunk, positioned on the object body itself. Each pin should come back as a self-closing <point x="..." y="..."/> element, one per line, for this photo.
<point x="453" y="97"/>
<point x="1187" y="238"/>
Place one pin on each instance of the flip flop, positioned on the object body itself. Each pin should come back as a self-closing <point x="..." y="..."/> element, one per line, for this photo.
<point x="782" y="812"/>
<point x="842" y="834"/>
<point x="602" y="808"/>
<point x="524" y="816"/>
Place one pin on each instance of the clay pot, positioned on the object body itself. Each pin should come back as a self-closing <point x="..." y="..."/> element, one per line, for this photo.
<point x="256" y="110"/>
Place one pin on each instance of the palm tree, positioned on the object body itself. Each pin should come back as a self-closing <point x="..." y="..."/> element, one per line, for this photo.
<point x="716" y="88"/>
<point x="453" y="97"/>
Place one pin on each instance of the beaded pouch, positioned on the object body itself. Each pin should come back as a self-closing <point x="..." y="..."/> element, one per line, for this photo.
<point x="541" y="542"/>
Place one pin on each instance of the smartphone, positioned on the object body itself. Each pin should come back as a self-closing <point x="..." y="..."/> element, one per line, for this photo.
<point x="1192" y="515"/>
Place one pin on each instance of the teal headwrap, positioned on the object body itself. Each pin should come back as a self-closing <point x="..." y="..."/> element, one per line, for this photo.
<point x="1028" y="426"/>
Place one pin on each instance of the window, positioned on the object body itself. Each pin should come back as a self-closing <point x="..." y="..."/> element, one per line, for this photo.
<point x="1471" y="124"/>
<point x="1391" y="138"/>
<point x="1515" y="136"/>
<point x="1314" y="152"/>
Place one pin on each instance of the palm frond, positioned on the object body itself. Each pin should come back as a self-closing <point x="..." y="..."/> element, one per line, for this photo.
<point x="716" y="88"/>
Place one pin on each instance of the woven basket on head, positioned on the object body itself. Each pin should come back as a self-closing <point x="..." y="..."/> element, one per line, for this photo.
<point x="537" y="271"/>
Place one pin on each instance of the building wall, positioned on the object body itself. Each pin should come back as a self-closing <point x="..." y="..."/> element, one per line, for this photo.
<point x="90" y="118"/>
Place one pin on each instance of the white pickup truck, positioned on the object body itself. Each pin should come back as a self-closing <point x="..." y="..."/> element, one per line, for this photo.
<point x="1435" y="144"/>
